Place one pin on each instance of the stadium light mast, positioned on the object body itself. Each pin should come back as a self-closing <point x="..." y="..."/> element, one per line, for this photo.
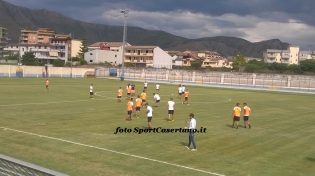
<point x="125" y="13"/>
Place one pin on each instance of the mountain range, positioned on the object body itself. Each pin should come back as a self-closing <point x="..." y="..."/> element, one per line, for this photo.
<point x="15" y="18"/>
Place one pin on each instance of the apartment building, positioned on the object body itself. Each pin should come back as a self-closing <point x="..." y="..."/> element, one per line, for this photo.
<point x="75" y="47"/>
<point x="3" y="32"/>
<point x="101" y="52"/>
<point x="44" y="52"/>
<point x="213" y="59"/>
<point x="140" y="56"/>
<point x="112" y="46"/>
<point x="183" y="59"/>
<point x="3" y="40"/>
<point x="57" y="48"/>
<point x="41" y="35"/>
<point x="304" y="55"/>
<point x="292" y="55"/>
<point x="216" y="63"/>
<point x="62" y="46"/>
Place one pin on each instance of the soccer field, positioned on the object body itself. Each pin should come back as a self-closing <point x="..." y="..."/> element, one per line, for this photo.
<point x="64" y="130"/>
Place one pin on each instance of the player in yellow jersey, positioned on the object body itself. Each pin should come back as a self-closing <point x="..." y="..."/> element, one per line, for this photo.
<point x="129" y="108"/>
<point x="236" y="113"/>
<point x="119" y="94"/>
<point x="246" y="113"/>
<point x="186" y="96"/>
<point x="138" y="106"/>
<point x="128" y="88"/>
<point x="143" y="97"/>
<point x="47" y="84"/>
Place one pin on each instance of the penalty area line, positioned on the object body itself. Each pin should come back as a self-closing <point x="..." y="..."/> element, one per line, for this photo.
<point x="112" y="151"/>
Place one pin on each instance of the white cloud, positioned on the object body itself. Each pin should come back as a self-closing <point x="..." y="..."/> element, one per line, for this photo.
<point x="196" y="25"/>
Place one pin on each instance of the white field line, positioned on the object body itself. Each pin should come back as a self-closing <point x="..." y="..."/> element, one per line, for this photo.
<point x="112" y="151"/>
<point x="50" y="102"/>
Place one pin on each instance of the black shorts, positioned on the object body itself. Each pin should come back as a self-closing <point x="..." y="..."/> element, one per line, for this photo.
<point x="186" y="98"/>
<point x="246" y="118"/>
<point x="156" y="101"/>
<point x="143" y="101"/>
<point x="128" y="93"/>
<point x="144" y="87"/>
<point x="91" y="93"/>
<point x="129" y="112"/>
<point x="149" y="119"/>
<point x="118" y="96"/>
<point x="179" y="93"/>
<point x="170" y="111"/>
<point x="137" y="108"/>
<point x="236" y="118"/>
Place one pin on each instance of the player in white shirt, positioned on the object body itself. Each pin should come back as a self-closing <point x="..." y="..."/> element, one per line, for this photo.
<point x="171" y="108"/>
<point x="157" y="98"/>
<point x="149" y="115"/>
<point x="191" y="127"/>
<point x="157" y="88"/>
<point x="183" y="88"/>
<point x="145" y="85"/>
<point x="180" y="91"/>
<point x="91" y="91"/>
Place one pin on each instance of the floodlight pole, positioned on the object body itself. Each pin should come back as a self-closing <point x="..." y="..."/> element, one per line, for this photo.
<point x="125" y="13"/>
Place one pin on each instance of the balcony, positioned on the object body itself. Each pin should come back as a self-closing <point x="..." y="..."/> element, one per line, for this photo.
<point x="269" y="55"/>
<point x="141" y="54"/>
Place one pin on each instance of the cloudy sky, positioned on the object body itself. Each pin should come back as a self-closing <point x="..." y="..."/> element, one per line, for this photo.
<point x="291" y="21"/>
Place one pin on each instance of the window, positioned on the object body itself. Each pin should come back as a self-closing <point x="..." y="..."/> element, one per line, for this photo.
<point x="91" y="61"/>
<point x="91" y="54"/>
<point x="115" y="55"/>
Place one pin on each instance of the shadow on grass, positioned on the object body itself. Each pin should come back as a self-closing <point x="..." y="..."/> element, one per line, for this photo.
<point x="229" y="125"/>
<point x="183" y="143"/>
<point x="310" y="159"/>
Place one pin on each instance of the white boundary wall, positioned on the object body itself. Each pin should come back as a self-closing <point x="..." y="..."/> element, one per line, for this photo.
<point x="274" y="82"/>
<point x="39" y="71"/>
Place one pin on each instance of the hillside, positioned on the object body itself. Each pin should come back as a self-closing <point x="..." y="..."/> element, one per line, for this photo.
<point x="15" y="18"/>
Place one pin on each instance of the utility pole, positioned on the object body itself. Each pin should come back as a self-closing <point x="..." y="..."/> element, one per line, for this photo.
<point x="125" y="13"/>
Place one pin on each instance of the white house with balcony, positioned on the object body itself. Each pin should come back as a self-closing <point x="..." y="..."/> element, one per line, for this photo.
<point x="57" y="48"/>
<point x="292" y="55"/>
<point x="139" y="56"/>
<point x="105" y="52"/>
<point x="148" y="56"/>
<point x="45" y="53"/>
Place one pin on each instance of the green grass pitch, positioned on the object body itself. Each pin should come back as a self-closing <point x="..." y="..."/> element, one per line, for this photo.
<point x="281" y="141"/>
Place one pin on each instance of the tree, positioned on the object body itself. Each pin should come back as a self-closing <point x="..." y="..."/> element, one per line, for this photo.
<point x="295" y="69"/>
<point x="196" y="64"/>
<point x="255" y="66"/>
<point x="308" y="65"/>
<point x="83" y="49"/>
<point x="29" y="59"/>
<point x="278" y="67"/>
<point x="12" y="57"/>
<point x="238" y="62"/>
<point x="58" y="63"/>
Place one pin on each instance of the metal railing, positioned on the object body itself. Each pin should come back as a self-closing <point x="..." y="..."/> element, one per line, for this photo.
<point x="274" y="82"/>
<point x="12" y="167"/>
